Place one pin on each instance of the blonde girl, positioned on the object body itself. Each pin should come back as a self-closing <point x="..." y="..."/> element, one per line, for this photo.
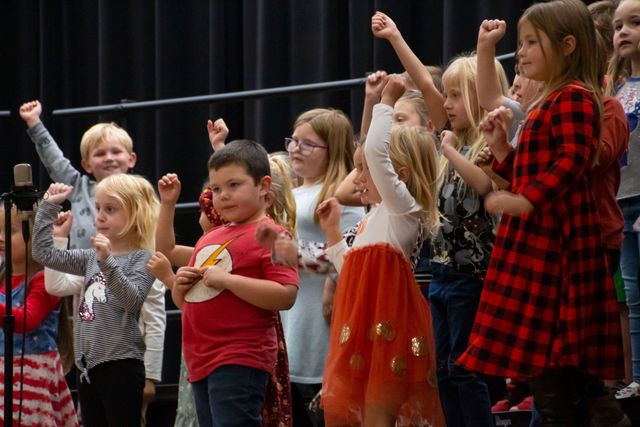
<point x="624" y="84"/>
<point x="381" y="353"/>
<point x="548" y="292"/>
<point x="46" y="400"/>
<point x="321" y="152"/>
<point x="109" y="348"/>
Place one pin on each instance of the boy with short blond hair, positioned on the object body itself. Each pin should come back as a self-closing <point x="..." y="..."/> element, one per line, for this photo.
<point x="231" y="292"/>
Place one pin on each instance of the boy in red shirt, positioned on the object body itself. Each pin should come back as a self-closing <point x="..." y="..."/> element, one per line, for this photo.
<point x="230" y="294"/>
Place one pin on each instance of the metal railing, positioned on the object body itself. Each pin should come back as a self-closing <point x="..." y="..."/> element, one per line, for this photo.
<point x="5" y="113"/>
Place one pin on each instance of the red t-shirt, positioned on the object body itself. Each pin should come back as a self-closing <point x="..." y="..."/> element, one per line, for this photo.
<point x="223" y="329"/>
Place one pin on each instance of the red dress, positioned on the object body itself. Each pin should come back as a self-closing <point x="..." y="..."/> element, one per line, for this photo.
<point x="547" y="299"/>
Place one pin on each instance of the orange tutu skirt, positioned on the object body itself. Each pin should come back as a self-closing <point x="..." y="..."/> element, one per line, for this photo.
<point x="381" y="348"/>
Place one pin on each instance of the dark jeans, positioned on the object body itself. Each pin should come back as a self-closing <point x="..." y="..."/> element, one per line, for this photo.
<point x="114" y="396"/>
<point x="232" y="395"/>
<point x="453" y="299"/>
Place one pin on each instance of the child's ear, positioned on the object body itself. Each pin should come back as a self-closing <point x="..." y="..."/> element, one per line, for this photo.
<point x="403" y="173"/>
<point x="265" y="185"/>
<point x="86" y="166"/>
<point x="568" y="45"/>
<point x="132" y="160"/>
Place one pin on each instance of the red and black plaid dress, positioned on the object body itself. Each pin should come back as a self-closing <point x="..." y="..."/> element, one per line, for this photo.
<point x="547" y="299"/>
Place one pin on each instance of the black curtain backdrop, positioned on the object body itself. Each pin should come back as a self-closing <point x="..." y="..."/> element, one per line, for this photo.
<point x="84" y="53"/>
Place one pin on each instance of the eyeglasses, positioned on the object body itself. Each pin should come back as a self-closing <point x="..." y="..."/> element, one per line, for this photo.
<point x="304" y="146"/>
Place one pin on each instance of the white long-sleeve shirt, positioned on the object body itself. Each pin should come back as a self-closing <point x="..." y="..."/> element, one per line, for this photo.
<point x="396" y="220"/>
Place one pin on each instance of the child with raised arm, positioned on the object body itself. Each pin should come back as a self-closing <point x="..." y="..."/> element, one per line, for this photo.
<point x="39" y="383"/>
<point x="381" y="354"/>
<point x="548" y="291"/>
<point x="106" y="149"/>
<point x="231" y="292"/>
<point x="109" y="347"/>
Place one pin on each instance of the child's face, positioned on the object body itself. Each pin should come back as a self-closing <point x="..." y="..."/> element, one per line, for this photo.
<point x="535" y="53"/>
<point x="108" y="158"/>
<point x="455" y="108"/>
<point x="626" y="25"/>
<point x="404" y="113"/>
<point x="17" y="243"/>
<point x="363" y="182"/>
<point x="311" y="167"/>
<point x="236" y="197"/>
<point x="111" y="217"/>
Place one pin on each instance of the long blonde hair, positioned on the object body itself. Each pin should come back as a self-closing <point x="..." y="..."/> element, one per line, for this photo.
<point x="414" y="147"/>
<point x="283" y="208"/>
<point x="335" y="129"/>
<point x="136" y="195"/>
<point x="462" y="72"/>
<point x="559" y="19"/>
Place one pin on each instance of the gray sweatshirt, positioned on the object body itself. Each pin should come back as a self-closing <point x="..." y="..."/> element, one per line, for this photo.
<point x="60" y="170"/>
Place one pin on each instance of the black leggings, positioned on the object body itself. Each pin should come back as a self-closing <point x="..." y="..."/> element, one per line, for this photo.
<point x="114" y="396"/>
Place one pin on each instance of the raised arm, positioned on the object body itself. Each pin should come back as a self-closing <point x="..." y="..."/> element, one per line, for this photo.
<point x="489" y="90"/>
<point x="383" y="27"/>
<point x="55" y="282"/>
<point x="169" y="189"/>
<point x="58" y="166"/>
<point x="392" y="189"/>
<point x="372" y="92"/>
<point x="218" y="132"/>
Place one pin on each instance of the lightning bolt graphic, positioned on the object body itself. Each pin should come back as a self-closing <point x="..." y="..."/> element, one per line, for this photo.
<point x="213" y="258"/>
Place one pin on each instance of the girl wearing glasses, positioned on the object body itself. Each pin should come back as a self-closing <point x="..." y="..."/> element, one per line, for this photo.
<point x="321" y="152"/>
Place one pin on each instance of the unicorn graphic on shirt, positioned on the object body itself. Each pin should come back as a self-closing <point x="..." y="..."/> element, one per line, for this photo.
<point x="96" y="291"/>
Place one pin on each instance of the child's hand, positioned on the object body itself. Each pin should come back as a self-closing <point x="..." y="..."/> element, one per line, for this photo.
<point x="491" y="31"/>
<point x="495" y="127"/>
<point x="62" y="224"/>
<point x="506" y="202"/>
<point x="102" y="245"/>
<point x="266" y="235"/>
<point x="218" y="132"/>
<point x="30" y="113"/>
<point x="160" y="266"/>
<point x="393" y="90"/>
<point x="328" y="292"/>
<point x="383" y="27"/>
<point x="58" y="193"/>
<point x="329" y="214"/>
<point x="375" y="83"/>
<point x="448" y="143"/>
<point x="186" y="277"/>
<point x="485" y="156"/>
<point x="215" y="277"/>
<point x="169" y="189"/>
<point x="286" y="251"/>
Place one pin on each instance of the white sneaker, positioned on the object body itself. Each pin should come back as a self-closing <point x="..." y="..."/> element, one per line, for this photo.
<point x="632" y="390"/>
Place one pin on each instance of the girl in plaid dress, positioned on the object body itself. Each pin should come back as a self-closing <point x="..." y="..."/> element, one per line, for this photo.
<point x="548" y="309"/>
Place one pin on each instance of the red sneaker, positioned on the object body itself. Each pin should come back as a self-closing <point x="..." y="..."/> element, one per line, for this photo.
<point x="525" y="405"/>
<point x="501" y="406"/>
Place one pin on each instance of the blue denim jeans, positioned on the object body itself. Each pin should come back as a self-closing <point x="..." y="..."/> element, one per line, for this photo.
<point x="453" y="300"/>
<point x="629" y="256"/>
<point x="232" y="395"/>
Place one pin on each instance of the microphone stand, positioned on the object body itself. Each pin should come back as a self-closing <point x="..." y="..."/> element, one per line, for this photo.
<point x="8" y="319"/>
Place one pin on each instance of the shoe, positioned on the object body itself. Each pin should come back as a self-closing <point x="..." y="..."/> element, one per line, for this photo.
<point x="525" y="405"/>
<point x="501" y="406"/>
<point x="632" y="390"/>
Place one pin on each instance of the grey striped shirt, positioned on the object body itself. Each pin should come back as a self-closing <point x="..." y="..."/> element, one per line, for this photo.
<point x="107" y="321"/>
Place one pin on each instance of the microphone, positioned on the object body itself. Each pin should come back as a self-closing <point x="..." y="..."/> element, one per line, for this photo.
<point x="25" y="195"/>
